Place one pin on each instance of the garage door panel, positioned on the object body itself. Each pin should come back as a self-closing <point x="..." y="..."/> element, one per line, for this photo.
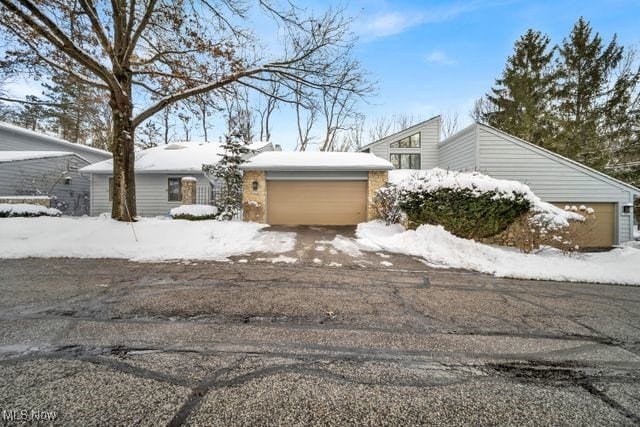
<point x="598" y="232"/>
<point x="316" y="202"/>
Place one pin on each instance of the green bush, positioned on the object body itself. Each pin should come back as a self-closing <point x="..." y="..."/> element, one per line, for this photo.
<point x="194" y="217"/>
<point x="463" y="213"/>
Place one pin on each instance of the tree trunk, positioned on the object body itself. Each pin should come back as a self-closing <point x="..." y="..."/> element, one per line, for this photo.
<point x="124" y="189"/>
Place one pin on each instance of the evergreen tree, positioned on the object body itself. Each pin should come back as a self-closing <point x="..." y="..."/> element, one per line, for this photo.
<point x="593" y="103"/>
<point x="227" y="171"/>
<point x="520" y="102"/>
<point x="77" y="112"/>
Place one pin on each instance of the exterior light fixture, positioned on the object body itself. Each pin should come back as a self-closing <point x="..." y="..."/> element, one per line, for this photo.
<point x="254" y="185"/>
<point x="627" y="209"/>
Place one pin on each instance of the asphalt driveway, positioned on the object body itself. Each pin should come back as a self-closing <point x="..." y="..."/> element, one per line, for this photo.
<point x="255" y="342"/>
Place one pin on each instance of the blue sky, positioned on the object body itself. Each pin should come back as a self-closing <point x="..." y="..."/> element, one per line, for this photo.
<point x="432" y="57"/>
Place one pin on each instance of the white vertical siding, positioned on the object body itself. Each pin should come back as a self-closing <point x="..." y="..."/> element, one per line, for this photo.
<point x="459" y="151"/>
<point x="151" y="193"/>
<point x="429" y="137"/>
<point x="552" y="178"/>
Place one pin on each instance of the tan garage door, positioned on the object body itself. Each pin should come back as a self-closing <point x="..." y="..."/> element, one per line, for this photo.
<point x="316" y="202"/>
<point x="597" y="233"/>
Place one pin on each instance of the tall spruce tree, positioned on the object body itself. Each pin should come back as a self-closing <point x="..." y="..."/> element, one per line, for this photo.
<point x="591" y="99"/>
<point x="227" y="171"/>
<point x="520" y="102"/>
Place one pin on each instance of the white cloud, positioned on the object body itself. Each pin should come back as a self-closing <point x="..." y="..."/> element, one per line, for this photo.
<point x="439" y="57"/>
<point x="388" y="23"/>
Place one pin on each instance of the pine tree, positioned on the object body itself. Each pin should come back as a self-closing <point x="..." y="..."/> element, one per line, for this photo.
<point x="227" y="170"/>
<point x="520" y="102"/>
<point x="77" y="112"/>
<point x="592" y="101"/>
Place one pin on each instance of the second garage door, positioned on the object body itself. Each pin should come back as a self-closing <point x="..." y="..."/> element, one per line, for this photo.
<point x="598" y="232"/>
<point x="316" y="202"/>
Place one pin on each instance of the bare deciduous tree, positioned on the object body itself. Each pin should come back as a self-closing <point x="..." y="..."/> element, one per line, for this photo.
<point x="449" y="124"/>
<point x="136" y="50"/>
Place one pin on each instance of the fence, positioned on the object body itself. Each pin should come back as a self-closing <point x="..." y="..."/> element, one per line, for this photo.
<point x="214" y="195"/>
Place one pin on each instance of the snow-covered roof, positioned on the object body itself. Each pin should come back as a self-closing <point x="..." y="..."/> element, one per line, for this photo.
<point x="315" y="161"/>
<point x="14" y="156"/>
<point x="28" y="132"/>
<point x="180" y="157"/>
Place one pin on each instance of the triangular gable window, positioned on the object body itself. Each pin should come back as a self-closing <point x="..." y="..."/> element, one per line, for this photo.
<point x="412" y="141"/>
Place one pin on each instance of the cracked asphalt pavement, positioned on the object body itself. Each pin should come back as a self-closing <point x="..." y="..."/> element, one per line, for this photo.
<point x="110" y="342"/>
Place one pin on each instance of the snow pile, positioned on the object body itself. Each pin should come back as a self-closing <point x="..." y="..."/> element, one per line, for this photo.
<point x="316" y="160"/>
<point x="414" y="181"/>
<point x="442" y="249"/>
<point x="150" y="239"/>
<point x="194" y="211"/>
<point x="26" y="210"/>
<point x="636" y="233"/>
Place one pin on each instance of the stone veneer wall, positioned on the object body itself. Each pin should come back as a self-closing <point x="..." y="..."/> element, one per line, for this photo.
<point x="254" y="202"/>
<point x="32" y="200"/>
<point x="377" y="179"/>
<point x="188" y="190"/>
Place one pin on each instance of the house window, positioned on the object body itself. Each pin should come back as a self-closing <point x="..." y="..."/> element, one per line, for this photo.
<point x="405" y="161"/>
<point x="412" y="141"/>
<point x="174" y="189"/>
<point x="110" y="188"/>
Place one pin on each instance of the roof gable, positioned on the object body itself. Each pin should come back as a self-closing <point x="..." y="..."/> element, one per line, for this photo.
<point x="397" y="135"/>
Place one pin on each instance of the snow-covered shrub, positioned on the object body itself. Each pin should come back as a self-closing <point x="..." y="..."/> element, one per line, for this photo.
<point x="547" y="226"/>
<point x="8" y="210"/>
<point x="252" y="210"/>
<point x="387" y="205"/>
<point x="194" y="212"/>
<point x="468" y="205"/>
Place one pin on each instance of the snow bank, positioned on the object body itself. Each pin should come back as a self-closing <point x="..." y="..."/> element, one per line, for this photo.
<point x="441" y="249"/>
<point x="194" y="211"/>
<point x="316" y="160"/>
<point x="158" y="239"/>
<point x="408" y="180"/>
<point x="26" y="209"/>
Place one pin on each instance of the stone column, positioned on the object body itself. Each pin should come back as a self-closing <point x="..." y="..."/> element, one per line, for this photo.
<point x="254" y="196"/>
<point x="377" y="179"/>
<point x="188" y="189"/>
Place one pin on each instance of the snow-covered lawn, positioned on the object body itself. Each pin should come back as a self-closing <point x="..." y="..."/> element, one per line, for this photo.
<point x="441" y="249"/>
<point x="158" y="239"/>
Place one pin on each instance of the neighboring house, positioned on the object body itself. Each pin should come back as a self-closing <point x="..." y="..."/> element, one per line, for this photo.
<point x="15" y="138"/>
<point x="35" y="164"/>
<point x="552" y="177"/>
<point x="312" y="188"/>
<point x="159" y="171"/>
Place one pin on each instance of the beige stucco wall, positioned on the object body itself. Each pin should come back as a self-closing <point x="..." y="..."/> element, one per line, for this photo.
<point x="377" y="179"/>
<point x="254" y="202"/>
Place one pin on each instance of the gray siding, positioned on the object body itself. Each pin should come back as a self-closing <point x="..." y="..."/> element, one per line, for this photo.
<point x="459" y="151"/>
<point x="429" y="137"/>
<point x="39" y="177"/>
<point x="552" y="178"/>
<point x="151" y="193"/>
<point x="11" y="140"/>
